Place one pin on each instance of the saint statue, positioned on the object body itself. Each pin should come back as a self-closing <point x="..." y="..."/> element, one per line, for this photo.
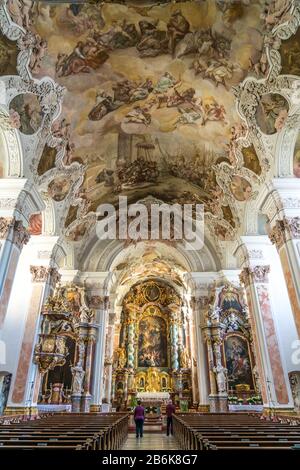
<point x="221" y="374"/>
<point x="78" y="375"/>
<point x="121" y="358"/>
<point x="185" y="361"/>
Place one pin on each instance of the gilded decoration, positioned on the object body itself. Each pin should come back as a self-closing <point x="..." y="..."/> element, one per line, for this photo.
<point x="153" y="354"/>
<point x="229" y="343"/>
<point x="64" y="314"/>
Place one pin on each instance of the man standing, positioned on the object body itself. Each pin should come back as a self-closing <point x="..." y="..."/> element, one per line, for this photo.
<point x="170" y="410"/>
<point x="139" y="416"/>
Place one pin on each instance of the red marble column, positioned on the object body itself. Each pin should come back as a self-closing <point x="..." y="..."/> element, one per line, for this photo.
<point x="256" y="283"/>
<point x="14" y="236"/>
<point x="39" y="278"/>
<point x="284" y="234"/>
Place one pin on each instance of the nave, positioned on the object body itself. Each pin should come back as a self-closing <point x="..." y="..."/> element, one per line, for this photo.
<point x="192" y="431"/>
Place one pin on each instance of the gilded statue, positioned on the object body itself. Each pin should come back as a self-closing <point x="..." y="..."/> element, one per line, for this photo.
<point x="121" y="358"/>
<point x="153" y="380"/>
<point x="185" y="360"/>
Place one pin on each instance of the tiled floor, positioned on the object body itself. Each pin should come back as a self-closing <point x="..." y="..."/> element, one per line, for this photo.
<point x="150" y="441"/>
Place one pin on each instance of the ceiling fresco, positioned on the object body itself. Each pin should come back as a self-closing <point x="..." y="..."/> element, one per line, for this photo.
<point x="297" y="157"/>
<point x="149" y="108"/>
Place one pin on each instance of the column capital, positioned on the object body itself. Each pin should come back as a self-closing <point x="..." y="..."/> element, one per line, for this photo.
<point x="5" y="225"/>
<point x="98" y="301"/>
<point x="20" y="234"/>
<point x="39" y="273"/>
<point x="9" y="227"/>
<point x="255" y="274"/>
<point x="55" y="276"/>
<point x="286" y="229"/>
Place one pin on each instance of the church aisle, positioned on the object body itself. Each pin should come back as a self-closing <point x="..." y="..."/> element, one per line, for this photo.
<point x="150" y="441"/>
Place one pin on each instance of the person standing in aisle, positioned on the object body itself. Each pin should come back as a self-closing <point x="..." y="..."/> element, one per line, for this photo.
<point x="139" y="417"/>
<point x="170" y="411"/>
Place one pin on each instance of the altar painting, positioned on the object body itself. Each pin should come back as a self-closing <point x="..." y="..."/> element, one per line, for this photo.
<point x="152" y="350"/>
<point x="238" y="361"/>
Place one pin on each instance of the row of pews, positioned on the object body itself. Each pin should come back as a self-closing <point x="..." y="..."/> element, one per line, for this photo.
<point x="67" y="431"/>
<point x="233" y="431"/>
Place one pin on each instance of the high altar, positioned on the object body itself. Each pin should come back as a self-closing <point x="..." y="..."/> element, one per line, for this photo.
<point x="152" y="351"/>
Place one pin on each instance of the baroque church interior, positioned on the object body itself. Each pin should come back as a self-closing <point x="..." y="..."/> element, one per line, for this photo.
<point x="160" y="102"/>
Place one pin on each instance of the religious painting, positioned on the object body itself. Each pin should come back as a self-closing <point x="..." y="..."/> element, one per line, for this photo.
<point x="59" y="188"/>
<point x="150" y="82"/>
<point x="238" y="361"/>
<point x="29" y="111"/>
<point x="152" y="342"/>
<point x="290" y="55"/>
<point x="47" y="160"/>
<point x="152" y="292"/>
<point x="241" y="188"/>
<point x="251" y="160"/>
<point x="271" y="113"/>
<point x="35" y="224"/>
<point x="296" y="163"/>
<point x="8" y="56"/>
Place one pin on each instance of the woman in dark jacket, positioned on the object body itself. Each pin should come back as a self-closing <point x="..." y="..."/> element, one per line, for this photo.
<point x="139" y="417"/>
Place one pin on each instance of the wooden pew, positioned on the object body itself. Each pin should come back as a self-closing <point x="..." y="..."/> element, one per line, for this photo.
<point x="82" y="431"/>
<point x="230" y="431"/>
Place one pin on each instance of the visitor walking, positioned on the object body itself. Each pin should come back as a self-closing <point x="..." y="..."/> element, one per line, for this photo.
<point x="139" y="417"/>
<point x="170" y="411"/>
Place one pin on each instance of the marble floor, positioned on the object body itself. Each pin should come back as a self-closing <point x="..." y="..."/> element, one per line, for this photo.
<point x="150" y="441"/>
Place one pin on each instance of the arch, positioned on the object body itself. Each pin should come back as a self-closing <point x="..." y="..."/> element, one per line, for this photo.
<point x="11" y="154"/>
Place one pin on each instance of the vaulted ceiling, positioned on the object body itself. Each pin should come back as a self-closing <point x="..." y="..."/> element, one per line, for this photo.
<point x="149" y="106"/>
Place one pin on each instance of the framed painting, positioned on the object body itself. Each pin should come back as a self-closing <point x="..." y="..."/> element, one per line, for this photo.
<point x="238" y="361"/>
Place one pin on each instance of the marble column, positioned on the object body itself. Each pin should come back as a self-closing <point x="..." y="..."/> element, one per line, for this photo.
<point x="285" y="234"/>
<point x="282" y="207"/>
<point x="108" y="361"/>
<point x="275" y="391"/>
<point x="97" y="379"/>
<point x="174" y="343"/>
<point x="211" y="363"/>
<point x="18" y="200"/>
<point x="31" y="285"/>
<point x="90" y="339"/>
<point x="192" y="349"/>
<point x="131" y="343"/>
<point x="13" y="236"/>
<point x="200" y="359"/>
